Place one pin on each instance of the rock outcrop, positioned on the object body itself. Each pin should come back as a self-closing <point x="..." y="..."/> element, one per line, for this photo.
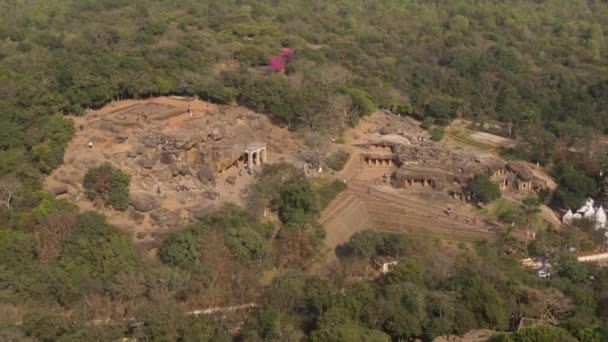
<point x="143" y="201"/>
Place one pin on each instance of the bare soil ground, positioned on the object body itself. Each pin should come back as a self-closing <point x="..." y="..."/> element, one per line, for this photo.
<point x="492" y="139"/>
<point x="460" y="136"/>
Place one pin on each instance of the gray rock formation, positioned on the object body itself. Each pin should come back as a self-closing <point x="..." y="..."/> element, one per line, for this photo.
<point x="206" y="175"/>
<point x="210" y="194"/>
<point x="58" y="189"/>
<point x="146" y="163"/>
<point x="143" y="201"/>
<point x="121" y="138"/>
<point x="174" y="169"/>
<point x="165" y="217"/>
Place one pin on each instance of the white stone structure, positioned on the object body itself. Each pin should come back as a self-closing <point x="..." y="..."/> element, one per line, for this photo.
<point x="600" y="218"/>
<point x="568" y="217"/>
<point x="256" y="154"/>
<point x="587" y="211"/>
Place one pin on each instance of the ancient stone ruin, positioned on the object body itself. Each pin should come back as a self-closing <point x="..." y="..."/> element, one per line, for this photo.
<point x="426" y="164"/>
<point x="184" y="156"/>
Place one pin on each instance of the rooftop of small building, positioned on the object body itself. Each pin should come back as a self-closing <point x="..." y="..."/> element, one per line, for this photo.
<point x="255" y="145"/>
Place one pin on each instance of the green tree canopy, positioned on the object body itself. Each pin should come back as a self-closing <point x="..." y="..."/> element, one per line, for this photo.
<point x="109" y="184"/>
<point x="484" y="189"/>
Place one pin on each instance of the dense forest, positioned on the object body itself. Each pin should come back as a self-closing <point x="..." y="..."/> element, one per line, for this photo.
<point x="538" y="66"/>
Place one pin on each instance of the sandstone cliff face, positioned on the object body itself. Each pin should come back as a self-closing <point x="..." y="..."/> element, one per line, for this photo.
<point x="219" y="156"/>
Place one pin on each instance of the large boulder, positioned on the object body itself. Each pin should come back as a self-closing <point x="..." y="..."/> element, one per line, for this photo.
<point x="139" y="149"/>
<point x="187" y="139"/>
<point x="185" y="171"/>
<point x="143" y="201"/>
<point x="167" y="157"/>
<point x="206" y="175"/>
<point x="220" y="156"/>
<point x="136" y="216"/>
<point x="216" y="134"/>
<point x="165" y="217"/>
<point x="121" y="138"/>
<point x="210" y="194"/>
<point x="58" y="189"/>
<point x="146" y="163"/>
<point x="199" y="211"/>
<point x="174" y="169"/>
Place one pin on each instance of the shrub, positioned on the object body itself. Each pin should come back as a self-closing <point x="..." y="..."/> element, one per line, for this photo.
<point x="437" y="133"/>
<point x="427" y="122"/>
<point x="109" y="184"/>
<point x="337" y="160"/>
<point x="313" y="229"/>
<point x="217" y="93"/>
<point x="180" y="249"/>
<point x="298" y="200"/>
<point x="574" y="186"/>
<point x="444" y="109"/>
<point x="483" y="189"/>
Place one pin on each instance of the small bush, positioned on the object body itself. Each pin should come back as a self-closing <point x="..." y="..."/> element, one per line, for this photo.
<point x="180" y="249"/>
<point x="109" y="184"/>
<point x="437" y="133"/>
<point x="337" y="160"/>
<point x="427" y="122"/>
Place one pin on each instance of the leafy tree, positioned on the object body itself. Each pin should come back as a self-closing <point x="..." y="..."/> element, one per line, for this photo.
<point x="109" y="184"/>
<point x="408" y="270"/>
<point x="311" y="228"/>
<point x="535" y="334"/>
<point x="217" y="93"/>
<point x="298" y="201"/>
<point x="405" y="310"/>
<point x="180" y="249"/>
<point x="444" y="109"/>
<point x="484" y="189"/>
<point x="336" y="325"/>
<point x="244" y="237"/>
<point x="573" y="187"/>
<point x="95" y="252"/>
<point x="247" y="246"/>
<point x="45" y="326"/>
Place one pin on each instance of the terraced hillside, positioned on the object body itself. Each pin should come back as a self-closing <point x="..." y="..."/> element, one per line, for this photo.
<point x="363" y="206"/>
